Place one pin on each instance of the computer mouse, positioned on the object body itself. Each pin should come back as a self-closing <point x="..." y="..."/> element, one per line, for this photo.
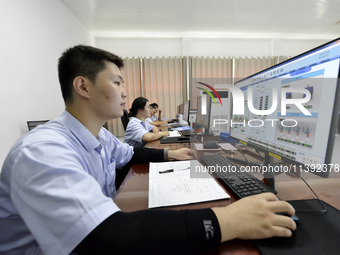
<point x="211" y="145"/>
<point x="294" y="217"/>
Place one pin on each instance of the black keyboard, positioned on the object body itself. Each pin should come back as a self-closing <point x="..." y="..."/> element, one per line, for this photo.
<point x="243" y="184"/>
<point x="175" y="125"/>
<point x="186" y="132"/>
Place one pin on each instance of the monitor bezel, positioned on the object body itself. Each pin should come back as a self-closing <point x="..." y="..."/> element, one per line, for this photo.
<point x="188" y="111"/>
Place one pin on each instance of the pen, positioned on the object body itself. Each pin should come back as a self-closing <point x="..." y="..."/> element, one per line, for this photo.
<point x="172" y="170"/>
<point x="166" y="171"/>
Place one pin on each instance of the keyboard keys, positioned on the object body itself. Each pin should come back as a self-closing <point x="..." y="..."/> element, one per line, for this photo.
<point x="243" y="184"/>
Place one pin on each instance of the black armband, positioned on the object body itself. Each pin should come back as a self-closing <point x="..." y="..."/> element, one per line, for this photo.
<point x="154" y="232"/>
<point x="143" y="155"/>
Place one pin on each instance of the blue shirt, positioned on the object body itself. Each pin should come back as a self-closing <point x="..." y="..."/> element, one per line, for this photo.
<point x="135" y="131"/>
<point x="57" y="185"/>
<point x="151" y="119"/>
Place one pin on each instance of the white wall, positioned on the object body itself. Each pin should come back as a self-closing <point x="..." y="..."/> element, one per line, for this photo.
<point x="34" y="33"/>
<point x="141" y="47"/>
<point x="227" y="47"/>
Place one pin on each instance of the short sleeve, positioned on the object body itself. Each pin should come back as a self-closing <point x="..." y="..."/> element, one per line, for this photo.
<point x="57" y="199"/>
<point x="149" y="127"/>
<point x="134" y="133"/>
<point x="122" y="152"/>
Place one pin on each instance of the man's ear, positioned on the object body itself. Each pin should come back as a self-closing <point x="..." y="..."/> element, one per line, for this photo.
<point x="81" y="86"/>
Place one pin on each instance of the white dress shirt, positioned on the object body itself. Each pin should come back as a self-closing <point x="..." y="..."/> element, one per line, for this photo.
<point x="57" y="185"/>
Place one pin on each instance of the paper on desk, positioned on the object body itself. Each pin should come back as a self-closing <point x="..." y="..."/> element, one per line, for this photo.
<point x="168" y="188"/>
<point x="225" y="146"/>
<point x="174" y="134"/>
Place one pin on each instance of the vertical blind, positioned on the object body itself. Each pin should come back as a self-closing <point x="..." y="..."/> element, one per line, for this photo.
<point x="163" y="83"/>
<point x="247" y="66"/>
<point x="209" y="70"/>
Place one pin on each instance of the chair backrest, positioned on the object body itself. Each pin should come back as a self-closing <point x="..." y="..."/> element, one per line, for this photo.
<point x="125" y="119"/>
<point x="33" y="123"/>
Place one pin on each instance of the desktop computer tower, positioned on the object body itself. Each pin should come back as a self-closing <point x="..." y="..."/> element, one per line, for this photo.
<point x="192" y="117"/>
<point x="220" y="112"/>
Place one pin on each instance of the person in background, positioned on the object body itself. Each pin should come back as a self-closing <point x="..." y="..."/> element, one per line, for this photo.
<point x="153" y="119"/>
<point x="57" y="183"/>
<point x="138" y="132"/>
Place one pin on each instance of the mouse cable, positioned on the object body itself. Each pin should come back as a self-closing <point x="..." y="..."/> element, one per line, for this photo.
<point x="258" y="152"/>
<point x="246" y="159"/>
<point x="321" y="212"/>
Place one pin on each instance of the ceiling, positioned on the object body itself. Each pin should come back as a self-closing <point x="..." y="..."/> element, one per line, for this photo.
<point x="210" y="18"/>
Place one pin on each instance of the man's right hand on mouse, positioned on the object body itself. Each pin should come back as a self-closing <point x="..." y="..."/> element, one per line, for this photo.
<point x="259" y="212"/>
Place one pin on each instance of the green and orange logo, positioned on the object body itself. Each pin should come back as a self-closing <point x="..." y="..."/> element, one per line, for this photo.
<point x="209" y="93"/>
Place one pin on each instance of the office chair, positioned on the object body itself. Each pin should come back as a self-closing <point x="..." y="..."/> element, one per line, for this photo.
<point x="125" y="119"/>
<point x="33" y="123"/>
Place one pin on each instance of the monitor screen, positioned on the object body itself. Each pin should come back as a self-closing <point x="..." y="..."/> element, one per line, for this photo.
<point x="186" y="108"/>
<point x="290" y="109"/>
<point x="180" y="109"/>
<point x="203" y="112"/>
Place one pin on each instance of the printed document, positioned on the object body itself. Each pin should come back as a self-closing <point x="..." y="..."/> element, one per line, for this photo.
<point x="170" y="184"/>
<point x="174" y="134"/>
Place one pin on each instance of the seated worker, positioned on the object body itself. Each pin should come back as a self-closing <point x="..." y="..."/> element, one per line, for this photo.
<point x="137" y="132"/>
<point x="57" y="183"/>
<point x="153" y="119"/>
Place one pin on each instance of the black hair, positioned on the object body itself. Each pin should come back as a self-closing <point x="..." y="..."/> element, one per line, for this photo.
<point x="154" y="105"/>
<point x="138" y="103"/>
<point x="82" y="60"/>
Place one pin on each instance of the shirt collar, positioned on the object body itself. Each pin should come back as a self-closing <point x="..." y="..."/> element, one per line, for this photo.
<point x="134" y="119"/>
<point x="84" y="136"/>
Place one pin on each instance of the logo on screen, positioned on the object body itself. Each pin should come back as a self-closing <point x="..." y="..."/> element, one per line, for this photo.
<point x="204" y="102"/>
<point x="238" y="99"/>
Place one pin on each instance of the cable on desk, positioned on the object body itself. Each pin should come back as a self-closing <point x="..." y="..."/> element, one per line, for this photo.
<point x="245" y="159"/>
<point x="258" y="152"/>
<point x="321" y="212"/>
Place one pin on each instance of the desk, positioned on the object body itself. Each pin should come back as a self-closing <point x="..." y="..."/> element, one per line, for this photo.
<point x="133" y="195"/>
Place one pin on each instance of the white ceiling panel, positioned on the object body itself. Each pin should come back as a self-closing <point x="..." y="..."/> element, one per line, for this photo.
<point x="221" y="18"/>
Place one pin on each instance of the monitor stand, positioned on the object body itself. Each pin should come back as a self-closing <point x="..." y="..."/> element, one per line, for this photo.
<point x="204" y="137"/>
<point x="269" y="177"/>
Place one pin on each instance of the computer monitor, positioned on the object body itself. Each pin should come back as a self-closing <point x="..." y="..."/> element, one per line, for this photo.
<point x="186" y="108"/>
<point x="301" y="129"/>
<point x="34" y="123"/>
<point x="203" y="118"/>
<point x="180" y="109"/>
